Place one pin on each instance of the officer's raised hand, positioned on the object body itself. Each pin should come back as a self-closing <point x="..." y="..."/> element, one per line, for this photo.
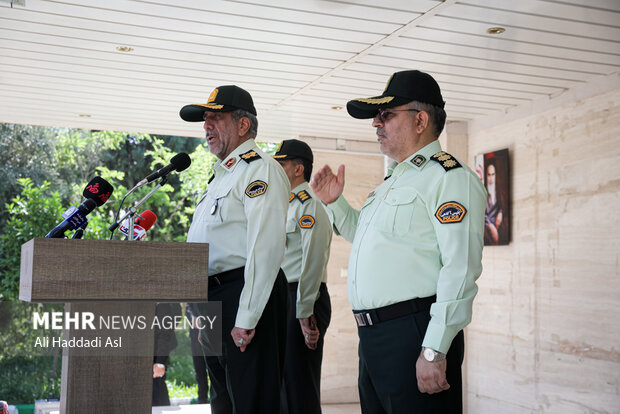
<point x="327" y="186"/>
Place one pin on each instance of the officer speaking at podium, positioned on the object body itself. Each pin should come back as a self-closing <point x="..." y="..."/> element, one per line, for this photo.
<point x="242" y="216"/>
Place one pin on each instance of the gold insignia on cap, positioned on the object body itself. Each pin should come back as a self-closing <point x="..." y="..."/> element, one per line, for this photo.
<point x="279" y="147"/>
<point x="388" y="82"/>
<point x="418" y="160"/>
<point x="375" y="101"/>
<point x="213" y="95"/>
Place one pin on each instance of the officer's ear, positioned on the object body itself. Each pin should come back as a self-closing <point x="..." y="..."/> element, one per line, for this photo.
<point x="299" y="170"/>
<point x="421" y="121"/>
<point x="244" y="125"/>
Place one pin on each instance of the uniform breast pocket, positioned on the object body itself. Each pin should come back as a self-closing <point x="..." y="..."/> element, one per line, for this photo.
<point x="396" y="211"/>
<point x="216" y="204"/>
<point x="291" y="226"/>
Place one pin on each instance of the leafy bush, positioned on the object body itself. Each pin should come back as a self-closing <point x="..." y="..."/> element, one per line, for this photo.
<point x="26" y="379"/>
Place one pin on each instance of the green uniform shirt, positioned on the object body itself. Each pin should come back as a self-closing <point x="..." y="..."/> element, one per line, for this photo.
<point x="418" y="234"/>
<point x="308" y="237"/>
<point x="242" y="217"/>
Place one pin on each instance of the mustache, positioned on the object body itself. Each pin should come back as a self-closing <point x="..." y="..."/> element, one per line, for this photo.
<point x="380" y="131"/>
<point x="210" y="134"/>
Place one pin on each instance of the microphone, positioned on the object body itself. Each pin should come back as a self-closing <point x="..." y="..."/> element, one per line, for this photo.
<point x="177" y="163"/>
<point x="96" y="193"/>
<point x="142" y="224"/>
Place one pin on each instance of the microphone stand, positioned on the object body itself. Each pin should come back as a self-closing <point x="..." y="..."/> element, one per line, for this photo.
<point x="133" y="209"/>
<point x="80" y="231"/>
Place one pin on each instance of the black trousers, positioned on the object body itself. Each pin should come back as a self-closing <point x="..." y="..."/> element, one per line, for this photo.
<point x="200" y="367"/>
<point x="249" y="382"/>
<point x="387" y="382"/>
<point x="301" y="391"/>
<point x="160" y="392"/>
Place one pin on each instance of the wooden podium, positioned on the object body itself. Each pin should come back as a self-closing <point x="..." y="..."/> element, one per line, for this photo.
<point x="111" y="278"/>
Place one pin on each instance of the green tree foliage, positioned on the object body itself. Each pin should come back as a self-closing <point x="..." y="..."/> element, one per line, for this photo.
<point x="42" y="172"/>
<point x="36" y="208"/>
<point x="50" y="168"/>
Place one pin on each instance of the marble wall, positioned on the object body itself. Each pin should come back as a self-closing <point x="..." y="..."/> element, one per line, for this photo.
<point x="545" y="335"/>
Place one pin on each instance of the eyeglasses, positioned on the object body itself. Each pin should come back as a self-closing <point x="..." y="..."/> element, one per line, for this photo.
<point x="383" y="115"/>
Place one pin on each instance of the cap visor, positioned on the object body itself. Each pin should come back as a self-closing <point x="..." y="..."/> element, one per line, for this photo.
<point x="195" y="112"/>
<point x="364" y="108"/>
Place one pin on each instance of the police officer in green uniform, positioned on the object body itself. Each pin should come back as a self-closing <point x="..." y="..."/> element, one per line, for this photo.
<point x="308" y="238"/>
<point x="243" y="218"/>
<point x="416" y="254"/>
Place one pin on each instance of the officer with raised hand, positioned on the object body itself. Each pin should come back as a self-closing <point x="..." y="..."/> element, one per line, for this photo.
<point x="416" y="254"/>
<point x="243" y="217"/>
<point x="308" y="239"/>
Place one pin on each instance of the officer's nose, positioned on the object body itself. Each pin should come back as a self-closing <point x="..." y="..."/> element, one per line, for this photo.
<point x="376" y="122"/>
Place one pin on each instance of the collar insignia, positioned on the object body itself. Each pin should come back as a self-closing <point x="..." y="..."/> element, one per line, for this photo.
<point x="418" y="160"/>
<point x="291" y="197"/>
<point x="230" y="162"/>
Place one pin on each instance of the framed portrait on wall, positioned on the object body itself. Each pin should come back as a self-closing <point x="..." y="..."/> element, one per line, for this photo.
<point x="493" y="170"/>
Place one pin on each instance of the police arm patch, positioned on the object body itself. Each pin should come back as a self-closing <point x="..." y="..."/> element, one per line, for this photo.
<point x="306" y="222"/>
<point x="256" y="188"/>
<point x="450" y="212"/>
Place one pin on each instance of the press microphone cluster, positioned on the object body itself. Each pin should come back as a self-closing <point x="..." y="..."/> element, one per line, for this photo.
<point x="142" y="224"/>
<point x="97" y="192"/>
<point x="178" y="163"/>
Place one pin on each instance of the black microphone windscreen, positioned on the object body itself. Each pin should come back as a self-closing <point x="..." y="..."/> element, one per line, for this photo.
<point x="99" y="190"/>
<point x="181" y="161"/>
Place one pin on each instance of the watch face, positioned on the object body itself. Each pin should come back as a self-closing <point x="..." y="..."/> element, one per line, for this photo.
<point x="429" y="354"/>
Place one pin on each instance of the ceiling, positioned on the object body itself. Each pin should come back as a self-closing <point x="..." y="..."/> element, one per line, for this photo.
<point x="60" y="62"/>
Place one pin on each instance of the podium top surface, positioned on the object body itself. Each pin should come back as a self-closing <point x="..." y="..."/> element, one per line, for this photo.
<point x="65" y="270"/>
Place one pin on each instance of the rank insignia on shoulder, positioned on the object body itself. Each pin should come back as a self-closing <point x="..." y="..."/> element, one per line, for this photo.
<point x="450" y="212"/>
<point x="418" y="160"/>
<point x="447" y="161"/>
<point x="291" y="197"/>
<point x="306" y="222"/>
<point x="256" y="188"/>
<point x="250" y="156"/>
<point x="303" y="196"/>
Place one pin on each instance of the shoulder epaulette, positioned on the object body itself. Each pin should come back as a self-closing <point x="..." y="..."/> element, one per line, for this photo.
<point x="447" y="161"/>
<point x="303" y="196"/>
<point x="250" y="156"/>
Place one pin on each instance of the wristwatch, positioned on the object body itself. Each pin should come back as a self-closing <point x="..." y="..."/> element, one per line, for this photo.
<point x="431" y="355"/>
